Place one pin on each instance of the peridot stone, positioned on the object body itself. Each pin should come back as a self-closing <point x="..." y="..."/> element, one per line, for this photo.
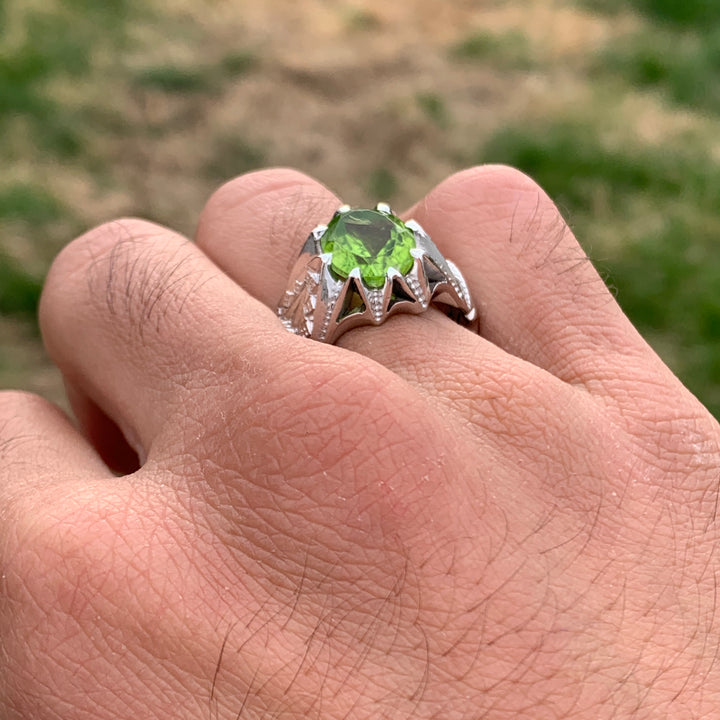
<point x="369" y="240"/>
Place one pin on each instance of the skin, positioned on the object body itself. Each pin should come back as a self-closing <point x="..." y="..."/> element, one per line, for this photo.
<point x="420" y="522"/>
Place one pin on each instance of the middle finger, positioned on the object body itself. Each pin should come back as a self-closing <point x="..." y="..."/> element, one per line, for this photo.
<point x="253" y="228"/>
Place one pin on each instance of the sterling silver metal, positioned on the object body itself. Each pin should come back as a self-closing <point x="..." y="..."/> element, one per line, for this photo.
<point x="317" y="305"/>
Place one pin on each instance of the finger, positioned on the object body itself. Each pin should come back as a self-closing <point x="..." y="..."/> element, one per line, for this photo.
<point x="538" y="295"/>
<point x="38" y="443"/>
<point x="135" y="315"/>
<point x="254" y="226"/>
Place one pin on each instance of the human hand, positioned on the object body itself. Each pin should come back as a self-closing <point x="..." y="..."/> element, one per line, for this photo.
<point x="417" y="523"/>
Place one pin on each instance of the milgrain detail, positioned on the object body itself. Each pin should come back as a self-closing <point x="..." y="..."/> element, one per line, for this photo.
<point x="376" y="301"/>
<point x="417" y="290"/>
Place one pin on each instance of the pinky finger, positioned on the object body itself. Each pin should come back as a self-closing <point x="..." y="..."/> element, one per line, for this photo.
<point x="39" y="445"/>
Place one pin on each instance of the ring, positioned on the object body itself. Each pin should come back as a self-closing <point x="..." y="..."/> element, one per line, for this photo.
<point x="361" y="268"/>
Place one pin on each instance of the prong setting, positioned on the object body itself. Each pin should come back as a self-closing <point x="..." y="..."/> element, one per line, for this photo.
<point x="321" y="305"/>
<point x="319" y="231"/>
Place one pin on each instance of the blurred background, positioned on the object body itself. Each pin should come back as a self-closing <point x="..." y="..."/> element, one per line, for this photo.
<point x="142" y="107"/>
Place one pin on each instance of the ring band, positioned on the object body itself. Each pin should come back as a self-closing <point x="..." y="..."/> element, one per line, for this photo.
<point x="361" y="268"/>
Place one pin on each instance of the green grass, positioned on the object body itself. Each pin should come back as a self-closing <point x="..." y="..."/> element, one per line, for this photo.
<point x="106" y="15"/>
<point x="176" y="79"/>
<point x="48" y="51"/>
<point x="677" y="53"/>
<point x="510" y="50"/>
<point x="684" y="13"/>
<point x="238" y="63"/>
<point x="668" y="284"/>
<point x="578" y="169"/>
<point x="172" y="78"/>
<point x="233" y="155"/>
<point x="434" y="108"/>
<point x="382" y="184"/>
<point x="58" y="43"/>
<point x="684" y="66"/>
<point x="668" y="281"/>
<point x="19" y="291"/>
<point x="28" y="202"/>
<point x="37" y="212"/>
<point x="696" y="14"/>
<point x="361" y="19"/>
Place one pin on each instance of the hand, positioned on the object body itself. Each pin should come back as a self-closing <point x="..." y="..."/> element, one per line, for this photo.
<point x="417" y="523"/>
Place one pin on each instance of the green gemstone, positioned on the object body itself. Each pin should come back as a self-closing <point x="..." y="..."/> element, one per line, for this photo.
<point x="369" y="240"/>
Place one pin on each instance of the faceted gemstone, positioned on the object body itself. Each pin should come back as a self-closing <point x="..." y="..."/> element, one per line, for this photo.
<point x="371" y="241"/>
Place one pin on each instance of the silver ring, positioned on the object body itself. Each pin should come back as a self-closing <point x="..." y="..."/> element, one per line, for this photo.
<point x="361" y="268"/>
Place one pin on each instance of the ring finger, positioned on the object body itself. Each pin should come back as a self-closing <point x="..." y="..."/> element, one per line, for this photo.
<point x="253" y="228"/>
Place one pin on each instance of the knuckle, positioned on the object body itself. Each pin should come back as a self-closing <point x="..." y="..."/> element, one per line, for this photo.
<point x="288" y="198"/>
<point x="494" y="183"/>
<point x="129" y="268"/>
<point x="87" y="262"/>
<point x="20" y="432"/>
<point x="237" y="191"/>
<point x="83" y="253"/>
<point x="509" y="178"/>
<point x="513" y="206"/>
<point x="535" y="219"/>
<point x="300" y="426"/>
<point x="524" y="226"/>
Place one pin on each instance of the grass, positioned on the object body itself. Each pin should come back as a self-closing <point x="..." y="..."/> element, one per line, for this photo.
<point x="668" y="280"/>
<point x="59" y="42"/>
<point x="175" y="79"/>
<point x="509" y="50"/>
<point x="33" y="207"/>
<point x="29" y="202"/>
<point x="677" y="53"/>
<point x="684" y="66"/>
<point x="434" y="108"/>
<point x="668" y="286"/>
<point x="238" y="62"/>
<point x="361" y="19"/>
<point x="697" y="14"/>
<point x="686" y="14"/>
<point x="382" y="184"/>
<point x="19" y="291"/>
<point x="581" y="171"/>
<point x="57" y="45"/>
<point x="233" y="155"/>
